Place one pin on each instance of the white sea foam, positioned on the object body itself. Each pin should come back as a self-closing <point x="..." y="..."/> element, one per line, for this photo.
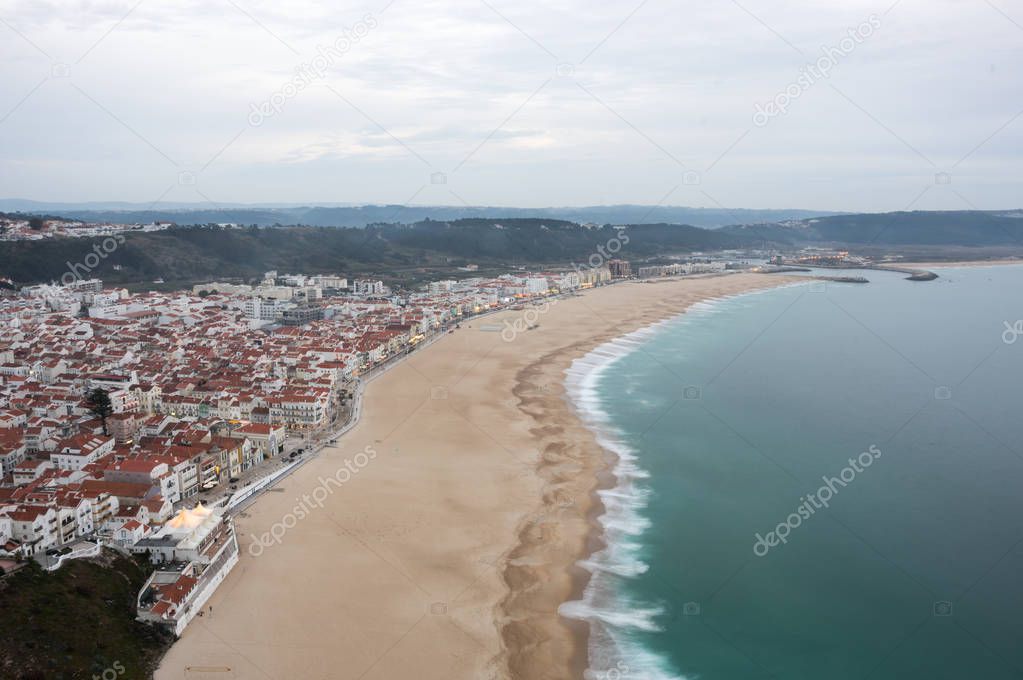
<point x="639" y="618"/>
<point x="610" y="615"/>
<point x="613" y="650"/>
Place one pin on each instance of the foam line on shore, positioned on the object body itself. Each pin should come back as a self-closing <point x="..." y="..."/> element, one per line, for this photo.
<point x="608" y="614"/>
<point x="611" y="615"/>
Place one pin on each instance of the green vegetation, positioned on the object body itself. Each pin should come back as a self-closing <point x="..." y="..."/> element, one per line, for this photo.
<point x="77" y="622"/>
<point x="201" y="253"/>
<point x="98" y="402"/>
<point x="404" y="254"/>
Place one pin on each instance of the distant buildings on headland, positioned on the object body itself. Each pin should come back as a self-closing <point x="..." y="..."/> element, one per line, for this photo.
<point x="28" y="228"/>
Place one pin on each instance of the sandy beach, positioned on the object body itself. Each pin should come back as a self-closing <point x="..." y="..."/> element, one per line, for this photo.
<point x="438" y="539"/>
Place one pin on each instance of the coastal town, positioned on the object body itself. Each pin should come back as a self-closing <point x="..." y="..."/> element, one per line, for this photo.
<point x="143" y="422"/>
<point x="35" y="228"/>
<point x="139" y="422"/>
<point x="511" y="341"/>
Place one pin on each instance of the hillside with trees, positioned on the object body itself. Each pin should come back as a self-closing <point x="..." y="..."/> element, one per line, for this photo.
<point x="203" y="252"/>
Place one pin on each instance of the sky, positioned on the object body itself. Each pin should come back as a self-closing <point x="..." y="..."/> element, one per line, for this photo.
<point x="854" y="105"/>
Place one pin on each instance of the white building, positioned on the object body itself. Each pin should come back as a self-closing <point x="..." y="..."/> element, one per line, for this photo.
<point x="441" y="286"/>
<point x="199" y="548"/>
<point x="569" y="281"/>
<point x="536" y="285"/>
<point x="77" y="452"/>
<point x="35" y="527"/>
<point x="265" y="309"/>
<point x="12" y="453"/>
<point x="299" y="410"/>
<point x="215" y="287"/>
<point x="6" y="531"/>
<point x="368" y="287"/>
<point x="336" y="282"/>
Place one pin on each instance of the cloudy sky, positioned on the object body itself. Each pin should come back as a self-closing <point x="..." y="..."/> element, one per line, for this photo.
<point x="494" y="102"/>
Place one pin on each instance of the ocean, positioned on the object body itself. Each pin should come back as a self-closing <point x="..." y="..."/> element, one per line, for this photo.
<point x="816" y="481"/>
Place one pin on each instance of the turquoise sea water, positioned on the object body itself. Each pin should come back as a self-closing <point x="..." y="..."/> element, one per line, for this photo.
<point x="727" y="417"/>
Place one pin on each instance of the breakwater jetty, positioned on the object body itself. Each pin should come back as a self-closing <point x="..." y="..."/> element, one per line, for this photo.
<point x="914" y="274"/>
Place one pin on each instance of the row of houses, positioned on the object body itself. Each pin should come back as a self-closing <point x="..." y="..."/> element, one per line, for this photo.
<point x="91" y="486"/>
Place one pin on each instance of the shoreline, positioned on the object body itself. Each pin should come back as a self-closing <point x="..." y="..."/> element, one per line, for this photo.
<point x="593" y="468"/>
<point x="450" y="553"/>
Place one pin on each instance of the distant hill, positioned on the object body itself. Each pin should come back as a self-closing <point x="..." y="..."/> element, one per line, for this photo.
<point x="403" y="252"/>
<point x="361" y="216"/>
<point x="203" y="252"/>
<point x="969" y="228"/>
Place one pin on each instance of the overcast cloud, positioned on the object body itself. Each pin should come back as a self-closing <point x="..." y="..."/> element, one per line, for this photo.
<point x="493" y="102"/>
